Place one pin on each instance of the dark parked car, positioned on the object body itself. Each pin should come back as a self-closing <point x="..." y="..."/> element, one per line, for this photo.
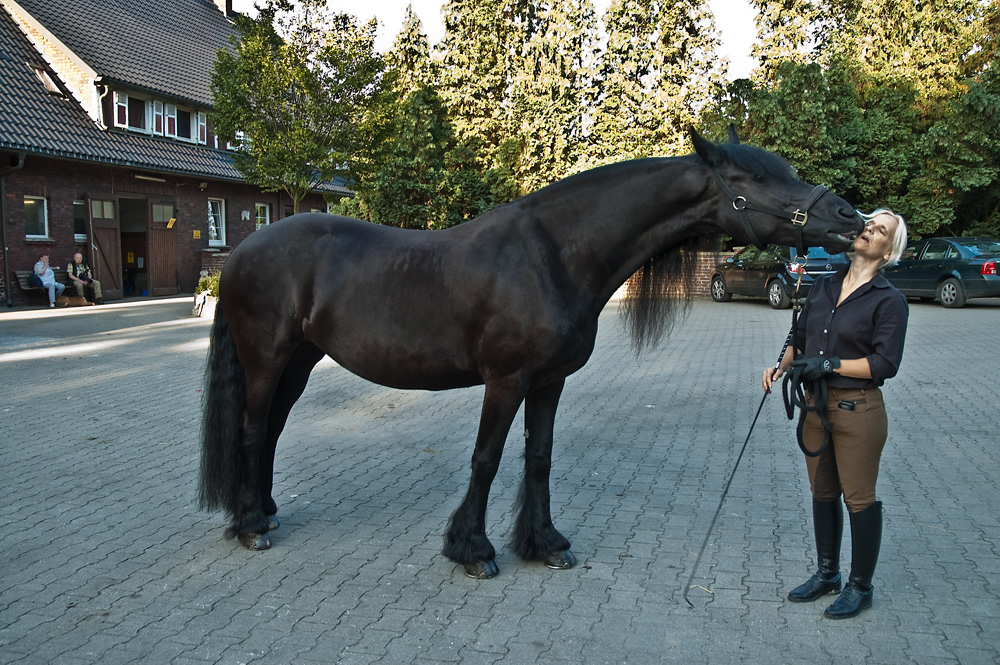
<point x="769" y="273"/>
<point x="949" y="269"/>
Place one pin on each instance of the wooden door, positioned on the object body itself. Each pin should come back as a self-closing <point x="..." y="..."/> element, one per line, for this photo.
<point x="105" y="247"/>
<point x="162" y="248"/>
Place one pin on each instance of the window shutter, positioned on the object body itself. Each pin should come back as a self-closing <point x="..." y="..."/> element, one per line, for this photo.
<point x="202" y="128"/>
<point x="121" y="109"/>
<point x="158" y="118"/>
<point x="170" y="111"/>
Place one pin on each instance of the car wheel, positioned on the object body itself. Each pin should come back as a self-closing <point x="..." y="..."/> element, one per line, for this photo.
<point x="776" y="295"/>
<point x="951" y="293"/>
<point x="719" y="293"/>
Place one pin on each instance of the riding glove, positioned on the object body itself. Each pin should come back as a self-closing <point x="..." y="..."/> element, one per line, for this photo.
<point x="816" y="367"/>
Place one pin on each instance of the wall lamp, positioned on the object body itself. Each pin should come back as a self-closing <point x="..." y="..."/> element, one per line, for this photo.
<point x="150" y="178"/>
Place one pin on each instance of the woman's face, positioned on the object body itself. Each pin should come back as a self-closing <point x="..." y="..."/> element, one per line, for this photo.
<point x="876" y="240"/>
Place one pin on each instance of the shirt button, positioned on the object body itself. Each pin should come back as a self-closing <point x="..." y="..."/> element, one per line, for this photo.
<point x="820" y="353"/>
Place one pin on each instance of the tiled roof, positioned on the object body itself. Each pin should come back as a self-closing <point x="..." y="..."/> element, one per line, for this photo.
<point x="31" y="119"/>
<point x="40" y="123"/>
<point x="162" y="45"/>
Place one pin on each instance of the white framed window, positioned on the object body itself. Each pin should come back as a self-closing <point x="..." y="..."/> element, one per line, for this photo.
<point x="184" y="125"/>
<point x="263" y="214"/>
<point x="202" y="128"/>
<point x="36" y="218"/>
<point x="216" y="222"/>
<point x="79" y="221"/>
<point x="137" y="113"/>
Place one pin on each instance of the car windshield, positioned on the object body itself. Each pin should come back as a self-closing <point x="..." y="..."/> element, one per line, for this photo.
<point x="981" y="246"/>
<point x="820" y="255"/>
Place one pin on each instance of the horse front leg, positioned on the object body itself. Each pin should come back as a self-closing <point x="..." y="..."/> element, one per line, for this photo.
<point x="465" y="540"/>
<point x="534" y="538"/>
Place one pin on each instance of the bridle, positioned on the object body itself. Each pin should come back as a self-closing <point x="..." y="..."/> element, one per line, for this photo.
<point x="799" y="216"/>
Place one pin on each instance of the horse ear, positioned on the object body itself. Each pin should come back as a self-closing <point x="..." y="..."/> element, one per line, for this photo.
<point x="705" y="149"/>
<point x="733" y="137"/>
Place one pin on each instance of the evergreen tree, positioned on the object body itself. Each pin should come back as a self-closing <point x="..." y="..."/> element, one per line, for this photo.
<point x="402" y="173"/>
<point x="548" y="91"/>
<point x="655" y="73"/>
<point x="483" y="42"/>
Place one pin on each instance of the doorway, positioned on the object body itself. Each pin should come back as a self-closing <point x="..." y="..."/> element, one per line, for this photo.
<point x="134" y="222"/>
<point x="148" y="247"/>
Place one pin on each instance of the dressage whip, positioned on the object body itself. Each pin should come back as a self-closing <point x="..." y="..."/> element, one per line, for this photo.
<point x="725" y="490"/>
<point x="711" y="527"/>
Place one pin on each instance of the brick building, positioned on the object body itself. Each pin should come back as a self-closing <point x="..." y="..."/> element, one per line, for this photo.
<point x="106" y="147"/>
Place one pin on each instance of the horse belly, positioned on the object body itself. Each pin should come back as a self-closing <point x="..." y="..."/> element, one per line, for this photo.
<point x="407" y="370"/>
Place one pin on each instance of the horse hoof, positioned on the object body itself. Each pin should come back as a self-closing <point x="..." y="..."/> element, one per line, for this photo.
<point x="563" y="560"/>
<point x="482" y="570"/>
<point x="255" y="541"/>
<point x="272" y="523"/>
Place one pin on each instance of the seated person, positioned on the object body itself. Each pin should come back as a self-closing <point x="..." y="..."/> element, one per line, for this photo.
<point x="79" y="273"/>
<point x="48" y="277"/>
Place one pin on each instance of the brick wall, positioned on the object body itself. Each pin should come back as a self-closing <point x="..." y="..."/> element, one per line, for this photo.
<point x="61" y="182"/>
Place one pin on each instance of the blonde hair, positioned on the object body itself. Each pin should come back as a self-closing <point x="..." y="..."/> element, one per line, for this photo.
<point x="898" y="239"/>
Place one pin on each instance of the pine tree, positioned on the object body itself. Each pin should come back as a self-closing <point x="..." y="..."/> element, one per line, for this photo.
<point x="402" y="171"/>
<point x="656" y="72"/>
<point x="548" y="90"/>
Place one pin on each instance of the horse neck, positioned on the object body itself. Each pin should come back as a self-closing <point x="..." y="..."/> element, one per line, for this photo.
<point x="608" y="224"/>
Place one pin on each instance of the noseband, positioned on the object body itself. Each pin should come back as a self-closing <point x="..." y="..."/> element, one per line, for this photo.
<point x="799" y="217"/>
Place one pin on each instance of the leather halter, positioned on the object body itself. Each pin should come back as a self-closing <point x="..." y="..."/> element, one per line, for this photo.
<point x="799" y="217"/>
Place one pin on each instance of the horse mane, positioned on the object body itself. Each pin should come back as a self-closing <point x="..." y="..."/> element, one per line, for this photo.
<point x="659" y="294"/>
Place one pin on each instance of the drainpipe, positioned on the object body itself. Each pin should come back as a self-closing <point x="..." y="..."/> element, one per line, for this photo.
<point x="3" y="221"/>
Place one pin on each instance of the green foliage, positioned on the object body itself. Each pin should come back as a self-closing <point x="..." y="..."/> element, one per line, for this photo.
<point x="887" y="102"/>
<point x="291" y="93"/>
<point x="210" y="283"/>
<point x="876" y="118"/>
<point x="657" y="70"/>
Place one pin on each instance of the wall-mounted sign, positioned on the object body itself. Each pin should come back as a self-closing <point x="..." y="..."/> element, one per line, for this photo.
<point x="197" y="235"/>
<point x="131" y="258"/>
<point x="170" y="224"/>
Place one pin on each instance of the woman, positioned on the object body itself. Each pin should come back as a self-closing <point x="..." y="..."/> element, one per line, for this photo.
<point x="851" y="332"/>
<point x="48" y="277"/>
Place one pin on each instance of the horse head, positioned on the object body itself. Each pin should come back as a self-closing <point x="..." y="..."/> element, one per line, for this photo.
<point x="761" y="200"/>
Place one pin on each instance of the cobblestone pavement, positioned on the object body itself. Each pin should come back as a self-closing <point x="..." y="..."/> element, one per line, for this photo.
<point x="106" y="558"/>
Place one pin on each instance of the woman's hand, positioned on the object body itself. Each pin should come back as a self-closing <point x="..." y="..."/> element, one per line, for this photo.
<point x="771" y="374"/>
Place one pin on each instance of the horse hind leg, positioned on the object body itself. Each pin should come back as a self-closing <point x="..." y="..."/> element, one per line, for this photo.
<point x="534" y="538"/>
<point x="250" y="523"/>
<point x="290" y="387"/>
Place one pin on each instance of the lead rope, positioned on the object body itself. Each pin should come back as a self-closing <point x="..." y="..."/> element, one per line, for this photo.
<point x="792" y="339"/>
<point x="795" y="390"/>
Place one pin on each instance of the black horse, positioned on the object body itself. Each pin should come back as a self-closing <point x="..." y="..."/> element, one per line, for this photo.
<point x="510" y="300"/>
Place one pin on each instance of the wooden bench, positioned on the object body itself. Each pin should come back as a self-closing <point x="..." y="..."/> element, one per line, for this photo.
<point x="23" y="275"/>
<point x="22" y="280"/>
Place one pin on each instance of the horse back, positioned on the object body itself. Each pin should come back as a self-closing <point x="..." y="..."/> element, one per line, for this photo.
<point x="408" y="308"/>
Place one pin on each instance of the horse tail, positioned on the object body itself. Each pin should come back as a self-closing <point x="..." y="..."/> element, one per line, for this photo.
<point x="222" y="421"/>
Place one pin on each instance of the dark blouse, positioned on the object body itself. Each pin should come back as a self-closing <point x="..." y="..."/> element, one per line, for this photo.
<point x="870" y="323"/>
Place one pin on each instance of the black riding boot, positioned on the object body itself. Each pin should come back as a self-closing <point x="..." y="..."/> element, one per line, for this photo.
<point x="828" y="523"/>
<point x="866" y="539"/>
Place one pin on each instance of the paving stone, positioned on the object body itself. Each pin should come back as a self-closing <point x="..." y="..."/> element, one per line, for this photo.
<point x="107" y="559"/>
